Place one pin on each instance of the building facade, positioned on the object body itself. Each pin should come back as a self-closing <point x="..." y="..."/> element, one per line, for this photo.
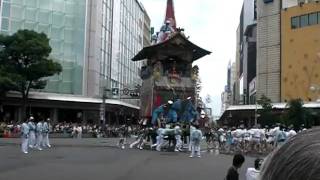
<point x="93" y="40"/>
<point x="65" y="24"/>
<point x="268" y="49"/>
<point x="300" y="50"/>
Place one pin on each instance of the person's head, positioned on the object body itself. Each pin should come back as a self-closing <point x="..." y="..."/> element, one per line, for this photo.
<point x="31" y="118"/>
<point x="258" y="163"/>
<point x="238" y="160"/>
<point x="196" y="126"/>
<point x="297" y="159"/>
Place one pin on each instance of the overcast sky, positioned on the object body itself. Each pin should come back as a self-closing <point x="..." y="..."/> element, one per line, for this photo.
<point x="212" y="25"/>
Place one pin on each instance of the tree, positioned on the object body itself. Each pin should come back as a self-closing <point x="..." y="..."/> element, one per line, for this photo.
<point x="297" y="114"/>
<point x="266" y="116"/>
<point x="6" y="82"/>
<point x="24" y="59"/>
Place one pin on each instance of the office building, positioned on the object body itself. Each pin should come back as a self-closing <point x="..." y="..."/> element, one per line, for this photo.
<point x="93" y="40"/>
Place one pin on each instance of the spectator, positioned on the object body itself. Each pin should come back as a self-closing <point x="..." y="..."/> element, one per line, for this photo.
<point x="298" y="159"/>
<point x="233" y="174"/>
<point x="253" y="173"/>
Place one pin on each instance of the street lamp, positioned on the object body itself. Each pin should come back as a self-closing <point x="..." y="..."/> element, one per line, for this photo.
<point x="316" y="89"/>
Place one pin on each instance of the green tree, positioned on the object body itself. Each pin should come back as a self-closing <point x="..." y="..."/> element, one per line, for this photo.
<point x="25" y="61"/>
<point x="266" y="116"/>
<point x="297" y="114"/>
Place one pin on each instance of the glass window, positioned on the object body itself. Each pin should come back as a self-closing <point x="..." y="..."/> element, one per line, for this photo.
<point x="57" y="19"/>
<point x="17" y="2"/>
<point x="16" y="25"/>
<point x="304" y="21"/>
<point x="6" y="10"/>
<point x="45" y="17"/>
<point x="68" y="35"/>
<point x="295" y="22"/>
<point x="69" y="21"/>
<point x="5" y="24"/>
<point x="313" y="18"/>
<point x="31" y="3"/>
<point x="318" y="17"/>
<point x="56" y="33"/>
<point x="17" y="12"/>
<point x="70" y="7"/>
<point x="58" y="5"/>
<point x="30" y="25"/>
<point x="67" y="75"/>
<point x="31" y="14"/>
<point x="45" y="4"/>
<point x="44" y="28"/>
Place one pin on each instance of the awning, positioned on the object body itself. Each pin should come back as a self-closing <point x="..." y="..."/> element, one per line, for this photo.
<point x="71" y="98"/>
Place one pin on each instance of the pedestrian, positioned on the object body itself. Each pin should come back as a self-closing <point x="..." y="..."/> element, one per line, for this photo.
<point x="32" y="133"/>
<point x="253" y="173"/>
<point x="24" y="137"/>
<point x="297" y="159"/>
<point x="233" y="174"/>
<point x="160" y="137"/>
<point x="281" y="137"/>
<point x="196" y="137"/>
<point x="39" y="133"/>
<point x="178" y="133"/>
<point x="79" y="131"/>
<point x="45" y="133"/>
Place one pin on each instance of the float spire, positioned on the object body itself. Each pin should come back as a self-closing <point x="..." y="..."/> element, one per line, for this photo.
<point x="170" y="14"/>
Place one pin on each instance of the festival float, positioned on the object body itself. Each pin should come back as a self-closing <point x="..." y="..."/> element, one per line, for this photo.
<point x="168" y="78"/>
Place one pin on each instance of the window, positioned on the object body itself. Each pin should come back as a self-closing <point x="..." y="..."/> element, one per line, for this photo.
<point x="5" y="24"/>
<point x="255" y="10"/>
<point x="318" y="17"/>
<point x="6" y="10"/>
<point x="313" y="18"/>
<point x="304" y="21"/>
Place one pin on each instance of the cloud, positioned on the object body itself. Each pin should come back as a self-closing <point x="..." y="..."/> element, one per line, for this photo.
<point x="212" y="25"/>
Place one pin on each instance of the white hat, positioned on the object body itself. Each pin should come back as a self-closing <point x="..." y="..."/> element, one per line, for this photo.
<point x="170" y="102"/>
<point x="31" y="118"/>
<point x="189" y="98"/>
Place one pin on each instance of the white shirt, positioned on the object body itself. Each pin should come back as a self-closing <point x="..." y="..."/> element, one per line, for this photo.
<point x="252" y="174"/>
<point x="291" y="133"/>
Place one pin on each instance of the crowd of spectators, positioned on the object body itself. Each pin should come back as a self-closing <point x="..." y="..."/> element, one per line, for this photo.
<point x="65" y="129"/>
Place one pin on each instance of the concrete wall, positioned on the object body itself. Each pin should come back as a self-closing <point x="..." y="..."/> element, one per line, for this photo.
<point x="93" y="55"/>
<point x="268" y="50"/>
<point x="300" y="55"/>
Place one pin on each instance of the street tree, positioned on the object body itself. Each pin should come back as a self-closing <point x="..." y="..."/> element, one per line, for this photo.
<point x="25" y="61"/>
<point x="266" y="116"/>
<point x="297" y="114"/>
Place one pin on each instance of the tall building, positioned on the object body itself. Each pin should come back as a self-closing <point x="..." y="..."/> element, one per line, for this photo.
<point x="300" y="51"/>
<point x="246" y="52"/>
<point x="65" y="24"/>
<point x="268" y="49"/>
<point x="94" y="41"/>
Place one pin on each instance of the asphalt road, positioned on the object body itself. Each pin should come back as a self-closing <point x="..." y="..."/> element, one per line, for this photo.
<point x="94" y="162"/>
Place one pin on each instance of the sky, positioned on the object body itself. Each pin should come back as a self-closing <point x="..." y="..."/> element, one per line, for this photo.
<point x="212" y="25"/>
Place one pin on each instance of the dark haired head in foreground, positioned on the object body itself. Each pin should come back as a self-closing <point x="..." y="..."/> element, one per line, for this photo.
<point x="298" y="159"/>
<point x="237" y="162"/>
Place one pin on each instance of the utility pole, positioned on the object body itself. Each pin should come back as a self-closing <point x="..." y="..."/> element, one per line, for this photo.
<point x="103" y="108"/>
